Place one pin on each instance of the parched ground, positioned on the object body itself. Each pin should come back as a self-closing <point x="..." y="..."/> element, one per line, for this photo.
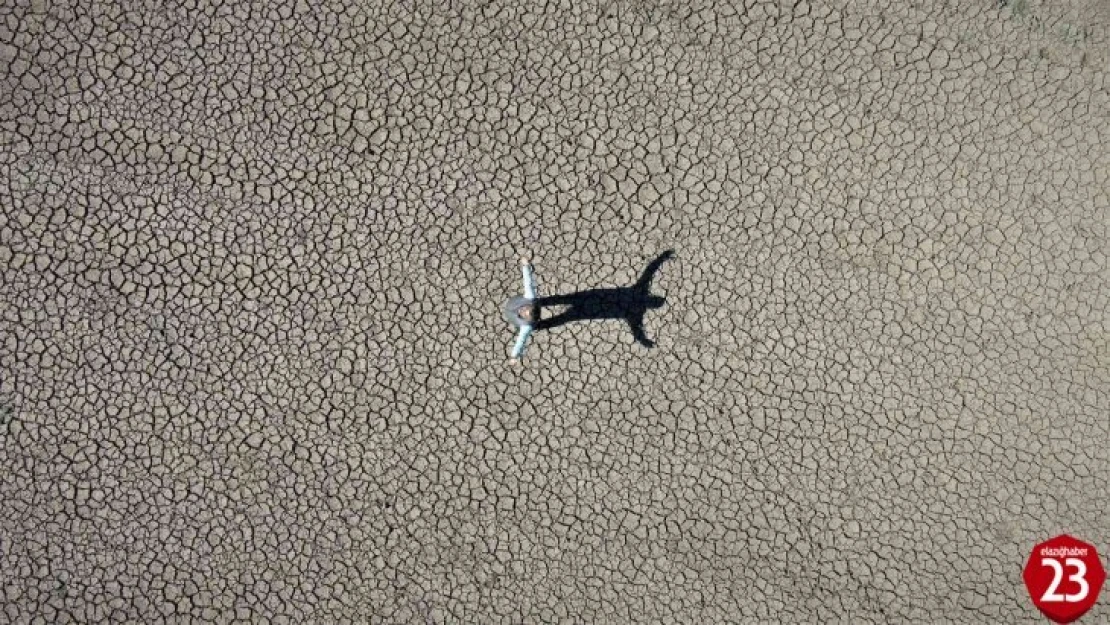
<point x="252" y="258"/>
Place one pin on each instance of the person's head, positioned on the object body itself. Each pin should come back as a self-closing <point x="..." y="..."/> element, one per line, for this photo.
<point x="529" y="313"/>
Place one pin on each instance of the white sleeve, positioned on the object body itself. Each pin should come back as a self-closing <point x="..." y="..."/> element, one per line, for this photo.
<point x="529" y="282"/>
<point x="521" y="341"/>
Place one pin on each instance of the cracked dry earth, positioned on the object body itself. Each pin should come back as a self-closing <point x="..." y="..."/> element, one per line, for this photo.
<point x="252" y="258"/>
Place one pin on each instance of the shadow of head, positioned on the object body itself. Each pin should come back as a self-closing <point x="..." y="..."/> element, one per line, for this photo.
<point x="627" y="303"/>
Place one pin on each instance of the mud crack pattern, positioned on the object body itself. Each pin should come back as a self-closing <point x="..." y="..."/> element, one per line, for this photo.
<point x="252" y="257"/>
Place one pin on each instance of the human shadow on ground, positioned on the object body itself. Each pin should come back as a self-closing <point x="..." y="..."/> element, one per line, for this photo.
<point x="628" y="303"/>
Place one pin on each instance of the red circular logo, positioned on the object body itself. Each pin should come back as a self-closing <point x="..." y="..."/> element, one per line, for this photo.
<point x="1064" y="576"/>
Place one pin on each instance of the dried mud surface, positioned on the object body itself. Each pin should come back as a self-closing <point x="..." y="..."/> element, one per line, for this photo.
<point x="252" y="258"/>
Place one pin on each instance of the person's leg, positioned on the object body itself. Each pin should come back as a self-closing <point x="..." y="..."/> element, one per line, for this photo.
<point x="555" y="300"/>
<point x="554" y="322"/>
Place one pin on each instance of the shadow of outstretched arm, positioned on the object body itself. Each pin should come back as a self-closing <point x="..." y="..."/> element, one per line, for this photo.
<point x="643" y="285"/>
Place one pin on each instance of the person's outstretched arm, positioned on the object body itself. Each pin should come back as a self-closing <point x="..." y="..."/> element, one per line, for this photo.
<point x="529" y="279"/>
<point x="521" y="341"/>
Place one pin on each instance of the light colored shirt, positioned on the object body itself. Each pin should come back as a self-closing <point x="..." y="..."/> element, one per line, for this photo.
<point x="511" y="307"/>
